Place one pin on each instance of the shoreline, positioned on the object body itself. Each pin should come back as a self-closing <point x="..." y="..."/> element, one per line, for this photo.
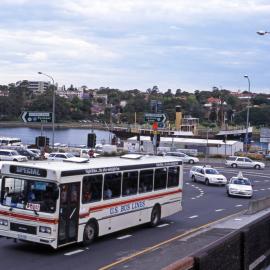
<point x="14" y="124"/>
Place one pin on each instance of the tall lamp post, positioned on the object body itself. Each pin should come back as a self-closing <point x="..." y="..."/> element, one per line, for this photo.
<point x="247" y="123"/>
<point x="53" y="105"/>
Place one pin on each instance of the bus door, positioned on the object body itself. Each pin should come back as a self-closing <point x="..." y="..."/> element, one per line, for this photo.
<point x="69" y="213"/>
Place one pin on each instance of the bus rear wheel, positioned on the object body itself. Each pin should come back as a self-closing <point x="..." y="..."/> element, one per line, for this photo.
<point x="155" y="216"/>
<point x="89" y="233"/>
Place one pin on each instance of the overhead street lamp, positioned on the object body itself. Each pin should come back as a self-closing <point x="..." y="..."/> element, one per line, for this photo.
<point x="247" y="123"/>
<point x="53" y="105"/>
<point x="262" y="33"/>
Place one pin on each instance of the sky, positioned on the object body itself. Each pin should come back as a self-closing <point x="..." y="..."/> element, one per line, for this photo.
<point x="136" y="44"/>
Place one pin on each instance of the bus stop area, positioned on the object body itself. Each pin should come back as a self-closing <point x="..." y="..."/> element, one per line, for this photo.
<point x="241" y="241"/>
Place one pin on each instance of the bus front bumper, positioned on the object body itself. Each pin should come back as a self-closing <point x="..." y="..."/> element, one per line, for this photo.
<point x="29" y="238"/>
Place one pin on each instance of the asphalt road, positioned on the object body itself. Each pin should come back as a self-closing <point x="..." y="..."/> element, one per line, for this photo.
<point x="201" y="205"/>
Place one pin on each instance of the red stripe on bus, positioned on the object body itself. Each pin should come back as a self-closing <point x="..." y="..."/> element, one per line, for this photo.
<point x="26" y="217"/>
<point x="151" y="197"/>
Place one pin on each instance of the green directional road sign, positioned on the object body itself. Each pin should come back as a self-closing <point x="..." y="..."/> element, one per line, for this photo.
<point x="152" y="117"/>
<point x="36" y="117"/>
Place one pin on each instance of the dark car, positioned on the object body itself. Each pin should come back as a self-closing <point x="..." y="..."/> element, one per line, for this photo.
<point x="28" y="153"/>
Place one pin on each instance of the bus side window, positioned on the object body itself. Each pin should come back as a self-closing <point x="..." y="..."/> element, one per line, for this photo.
<point x="92" y="188"/>
<point x="160" y="178"/>
<point x="173" y="177"/>
<point x="112" y="185"/>
<point x="146" y="181"/>
<point x="130" y="183"/>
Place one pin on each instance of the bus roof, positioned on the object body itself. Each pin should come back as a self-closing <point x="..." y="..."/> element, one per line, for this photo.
<point x="55" y="169"/>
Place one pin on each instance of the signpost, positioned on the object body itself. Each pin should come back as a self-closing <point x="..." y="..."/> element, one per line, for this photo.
<point x="36" y="117"/>
<point x="155" y="117"/>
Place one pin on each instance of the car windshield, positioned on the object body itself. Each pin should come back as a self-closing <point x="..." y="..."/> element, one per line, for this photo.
<point x="241" y="182"/>
<point x="68" y="155"/>
<point x="211" y="171"/>
<point x="29" y="194"/>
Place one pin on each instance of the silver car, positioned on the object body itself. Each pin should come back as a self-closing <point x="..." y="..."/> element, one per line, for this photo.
<point x="184" y="157"/>
<point x="8" y="154"/>
<point x="243" y="162"/>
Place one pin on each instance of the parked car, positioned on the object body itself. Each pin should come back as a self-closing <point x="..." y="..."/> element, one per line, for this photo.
<point x="183" y="156"/>
<point x="8" y="154"/>
<point x="36" y="151"/>
<point x="244" y="162"/>
<point x="28" y="153"/>
<point x="239" y="186"/>
<point x="59" y="156"/>
<point x="207" y="175"/>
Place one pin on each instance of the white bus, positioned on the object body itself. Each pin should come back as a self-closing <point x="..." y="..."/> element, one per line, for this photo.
<point x="59" y="203"/>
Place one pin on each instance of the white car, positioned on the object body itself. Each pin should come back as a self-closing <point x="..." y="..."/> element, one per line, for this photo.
<point x="207" y="175"/>
<point x="183" y="156"/>
<point x="59" y="156"/>
<point x="67" y="157"/>
<point x="240" y="186"/>
<point x="8" y="154"/>
<point x="243" y="162"/>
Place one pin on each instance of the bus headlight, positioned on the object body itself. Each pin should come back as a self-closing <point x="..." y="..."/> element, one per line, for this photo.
<point x="3" y="222"/>
<point x="44" y="229"/>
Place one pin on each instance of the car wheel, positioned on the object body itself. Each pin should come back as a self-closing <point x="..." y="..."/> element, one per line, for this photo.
<point x="191" y="161"/>
<point x="234" y="165"/>
<point x="229" y="195"/>
<point x="155" y="216"/>
<point x="257" y="167"/>
<point x="15" y="159"/>
<point x="194" y="178"/>
<point x="89" y="233"/>
<point x="207" y="182"/>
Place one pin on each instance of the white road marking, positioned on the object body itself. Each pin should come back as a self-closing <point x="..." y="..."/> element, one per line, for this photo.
<point x="193" y="216"/>
<point x="193" y="198"/>
<point x="219" y="210"/>
<point x="256" y="181"/>
<point x="238" y="205"/>
<point x="73" y="252"/>
<point x="163" y="225"/>
<point x="238" y="219"/>
<point x="255" y="190"/>
<point x="262" y="188"/>
<point x="269" y="188"/>
<point x="124" y="237"/>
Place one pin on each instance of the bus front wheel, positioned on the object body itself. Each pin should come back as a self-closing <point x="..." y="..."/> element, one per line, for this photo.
<point x="89" y="233"/>
<point x="155" y="216"/>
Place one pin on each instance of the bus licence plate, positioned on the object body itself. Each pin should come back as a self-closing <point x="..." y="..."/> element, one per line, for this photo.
<point x="22" y="236"/>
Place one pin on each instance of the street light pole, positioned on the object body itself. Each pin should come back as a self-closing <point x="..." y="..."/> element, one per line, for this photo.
<point x="53" y="105"/>
<point x="247" y="123"/>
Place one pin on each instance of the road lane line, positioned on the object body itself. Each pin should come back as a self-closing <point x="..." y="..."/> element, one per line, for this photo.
<point x="73" y="252"/>
<point x="219" y="210"/>
<point x="238" y="205"/>
<point x="238" y="219"/>
<point x="151" y="248"/>
<point x="193" y="216"/>
<point x="262" y="188"/>
<point x="163" y="225"/>
<point x="124" y="237"/>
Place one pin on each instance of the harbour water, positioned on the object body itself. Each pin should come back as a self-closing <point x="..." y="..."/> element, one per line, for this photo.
<point x="69" y="136"/>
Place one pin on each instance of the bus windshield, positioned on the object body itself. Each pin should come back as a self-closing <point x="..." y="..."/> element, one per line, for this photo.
<point x="37" y="196"/>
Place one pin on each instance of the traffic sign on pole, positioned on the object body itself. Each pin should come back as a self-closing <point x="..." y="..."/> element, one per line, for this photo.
<point x="155" y="117"/>
<point x="36" y="117"/>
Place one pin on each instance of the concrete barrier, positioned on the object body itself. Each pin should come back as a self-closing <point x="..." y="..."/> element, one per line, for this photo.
<point x="258" y="205"/>
<point x="186" y="263"/>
